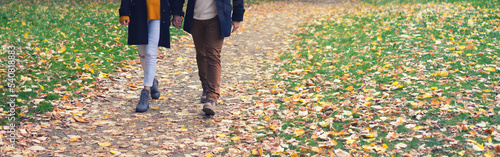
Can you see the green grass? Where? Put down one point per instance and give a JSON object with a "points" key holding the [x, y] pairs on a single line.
{"points": [[57, 43], [436, 60]]}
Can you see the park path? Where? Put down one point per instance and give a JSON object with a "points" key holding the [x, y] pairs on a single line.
{"points": [[104, 122]]}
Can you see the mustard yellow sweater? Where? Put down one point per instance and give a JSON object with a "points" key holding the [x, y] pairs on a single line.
{"points": [[153, 10]]}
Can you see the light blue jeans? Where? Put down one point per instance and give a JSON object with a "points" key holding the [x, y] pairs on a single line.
{"points": [[147, 53]]}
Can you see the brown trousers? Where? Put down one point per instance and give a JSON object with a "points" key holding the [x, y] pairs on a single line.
{"points": [[208, 44]]}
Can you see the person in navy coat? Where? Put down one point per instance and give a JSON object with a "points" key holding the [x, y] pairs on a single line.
{"points": [[209, 22], [148, 27]]}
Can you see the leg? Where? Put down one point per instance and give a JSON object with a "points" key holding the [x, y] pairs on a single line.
{"points": [[142, 56], [198, 32], [213, 46], [148, 62], [151, 50]]}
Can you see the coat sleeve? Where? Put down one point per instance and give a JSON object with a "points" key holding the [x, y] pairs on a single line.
{"points": [[124, 8], [176, 7], [238, 10]]}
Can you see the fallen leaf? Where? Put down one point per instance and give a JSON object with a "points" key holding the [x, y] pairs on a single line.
{"points": [[299, 132], [350, 88], [80, 119], [235, 138], [490, 69], [104, 144]]}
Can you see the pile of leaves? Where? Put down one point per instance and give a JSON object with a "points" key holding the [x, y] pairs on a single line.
{"points": [[412, 79]]}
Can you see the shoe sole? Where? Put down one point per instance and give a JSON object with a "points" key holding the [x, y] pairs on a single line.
{"points": [[140, 111], [209, 111]]}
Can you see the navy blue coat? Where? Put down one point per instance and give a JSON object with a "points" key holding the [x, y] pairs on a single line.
{"points": [[138, 13], [224, 9]]}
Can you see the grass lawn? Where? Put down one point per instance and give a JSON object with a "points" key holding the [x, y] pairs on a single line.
{"points": [[401, 79], [61, 49]]}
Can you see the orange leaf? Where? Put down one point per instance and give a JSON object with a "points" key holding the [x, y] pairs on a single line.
{"points": [[74, 139], [350, 88], [299, 132], [80, 119]]}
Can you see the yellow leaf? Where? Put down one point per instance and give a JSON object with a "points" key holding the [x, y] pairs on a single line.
{"points": [[26, 35], [221, 135], [104, 144], [434, 88], [161, 97], [63, 48], [21, 114], [491, 69], [235, 138], [91, 70], [462, 47], [106, 116], [23, 23], [112, 152], [86, 66], [395, 83], [103, 75], [133, 85], [461, 153], [41, 87], [426, 96], [209, 154], [182, 127], [442, 73], [254, 152], [77, 60]]}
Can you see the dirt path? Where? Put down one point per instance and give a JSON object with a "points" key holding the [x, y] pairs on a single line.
{"points": [[174, 125]]}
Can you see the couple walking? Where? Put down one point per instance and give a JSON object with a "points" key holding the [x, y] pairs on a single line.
{"points": [[208, 21]]}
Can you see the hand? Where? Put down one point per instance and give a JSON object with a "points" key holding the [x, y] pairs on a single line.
{"points": [[125, 22], [236, 25], [177, 21]]}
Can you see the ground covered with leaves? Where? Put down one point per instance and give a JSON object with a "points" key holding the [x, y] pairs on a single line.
{"points": [[413, 79], [61, 48], [299, 78]]}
